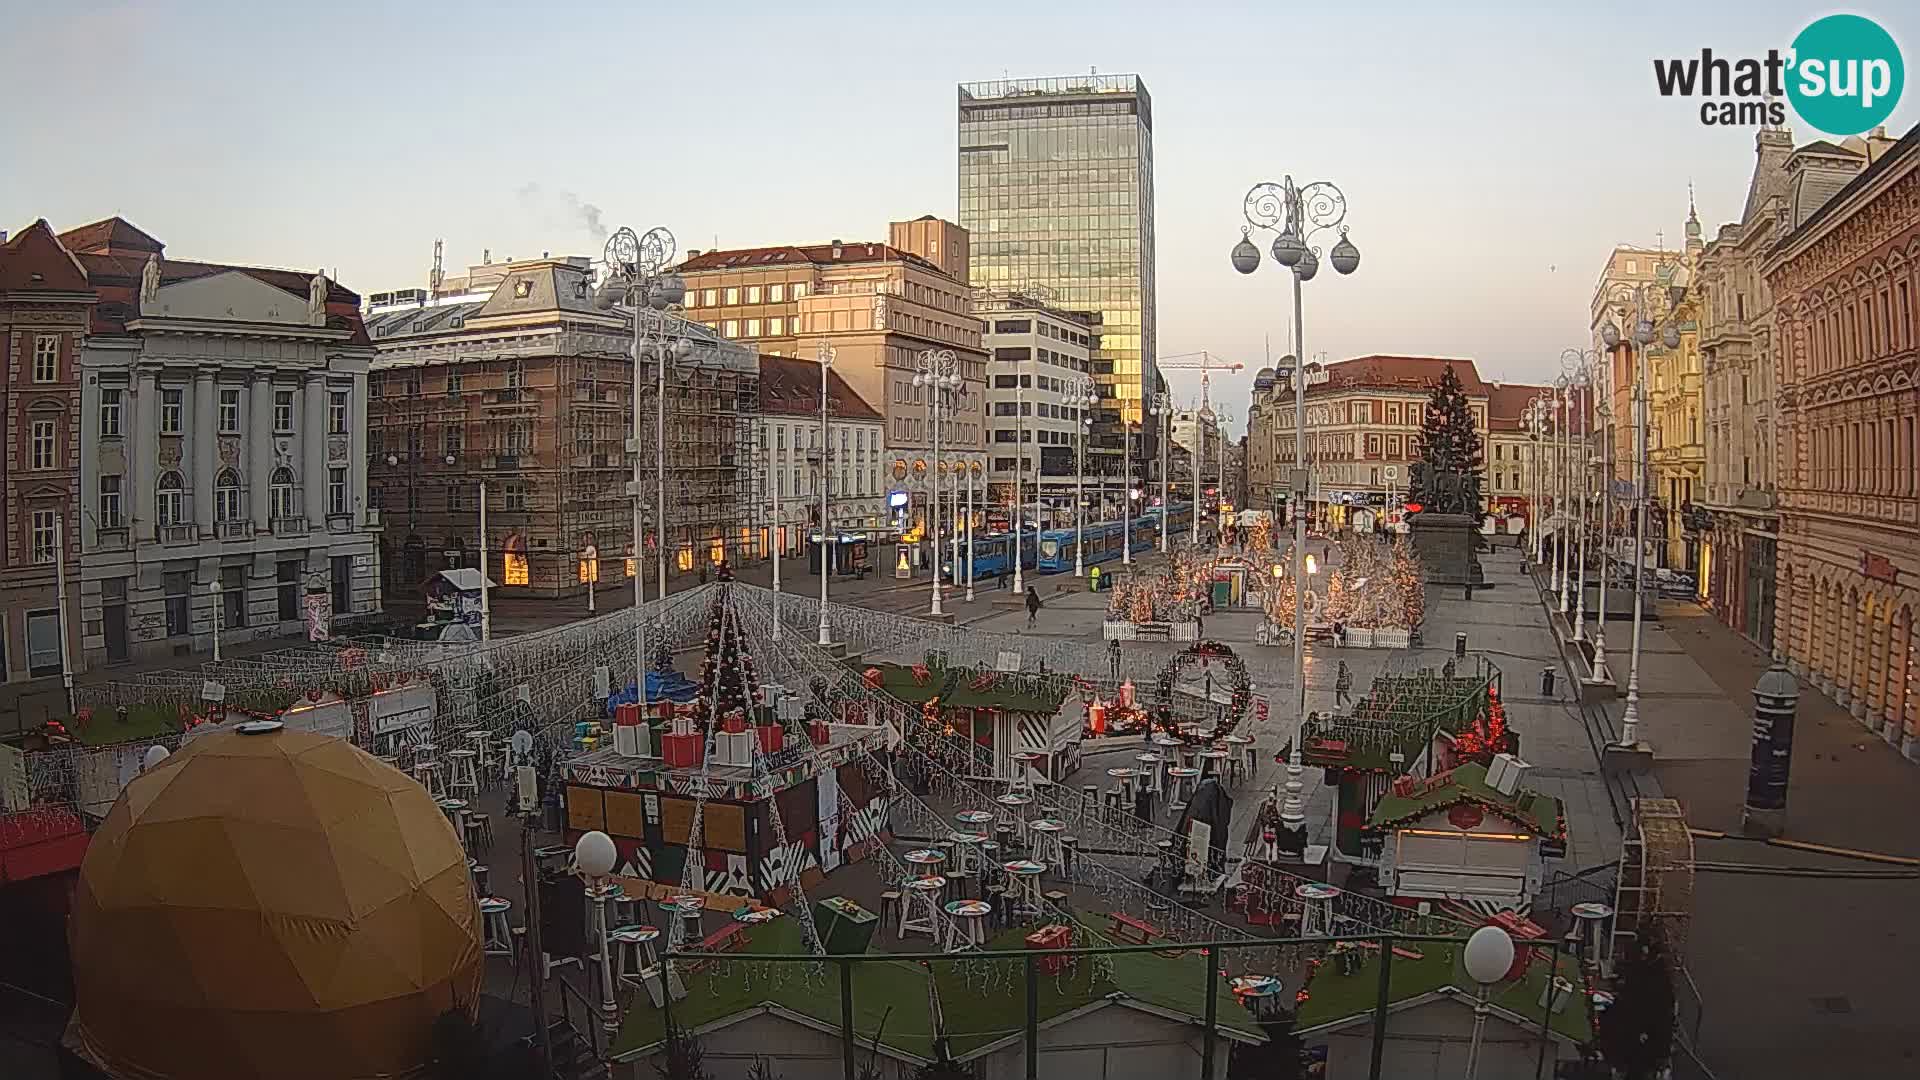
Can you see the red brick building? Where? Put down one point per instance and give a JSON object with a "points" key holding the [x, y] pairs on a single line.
{"points": [[44, 307], [1846, 286]]}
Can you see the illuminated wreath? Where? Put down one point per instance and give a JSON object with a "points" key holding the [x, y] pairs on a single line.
{"points": [[1206, 654]]}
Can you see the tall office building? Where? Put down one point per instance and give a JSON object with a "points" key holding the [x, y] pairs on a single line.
{"points": [[1056, 190]]}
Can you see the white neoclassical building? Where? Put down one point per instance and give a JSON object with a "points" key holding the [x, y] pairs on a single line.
{"points": [[224, 462]]}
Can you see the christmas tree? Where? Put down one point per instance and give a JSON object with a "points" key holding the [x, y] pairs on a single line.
{"points": [[726, 671], [1409, 583], [1446, 478]]}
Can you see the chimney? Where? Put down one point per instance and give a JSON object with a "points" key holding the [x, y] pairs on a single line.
{"points": [[486, 256], [692, 252], [836, 248]]}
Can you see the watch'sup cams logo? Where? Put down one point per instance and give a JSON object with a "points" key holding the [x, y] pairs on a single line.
{"points": [[1843, 75]]}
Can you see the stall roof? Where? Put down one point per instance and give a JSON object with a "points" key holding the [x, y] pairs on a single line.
{"points": [[976, 688], [890, 997], [1468, 783], [1335, 1000], [466, 579]]}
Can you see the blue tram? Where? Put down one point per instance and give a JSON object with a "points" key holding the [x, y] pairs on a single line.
{"points": [[992, 556], [1104, 540]]}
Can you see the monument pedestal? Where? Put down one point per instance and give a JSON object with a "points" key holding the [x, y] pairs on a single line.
{"points": [[1444, 543]]}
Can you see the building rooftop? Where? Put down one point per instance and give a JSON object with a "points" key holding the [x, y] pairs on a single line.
{"points": [[831, 254], [34, 260], [1870, 175], [1384, 372], [790, 386]]}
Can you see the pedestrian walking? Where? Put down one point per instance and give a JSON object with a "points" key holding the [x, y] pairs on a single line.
{"points": [[1339, 634], [1113, 660], [1343, 685], [1033, 608], [1199, 626]]}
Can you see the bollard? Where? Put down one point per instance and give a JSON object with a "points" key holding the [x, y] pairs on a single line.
{"points": [[1776, 698], [1546, 682], [1460, 644]]}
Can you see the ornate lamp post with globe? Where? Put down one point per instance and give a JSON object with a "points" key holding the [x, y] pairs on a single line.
{"points": [[1642, 337], [826, 355], [1296, 215], [636, 277], [939, 372]]}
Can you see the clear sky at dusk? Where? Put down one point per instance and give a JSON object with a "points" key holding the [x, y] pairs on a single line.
{"points": [[1491, 153]]}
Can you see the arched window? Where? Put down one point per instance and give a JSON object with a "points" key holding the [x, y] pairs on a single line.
{"points": [[226, 497], [285, 499], [173, 499], [513, 562]]}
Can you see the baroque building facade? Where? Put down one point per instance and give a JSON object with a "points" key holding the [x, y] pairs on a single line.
{"points": [[222, 465], [1845, 285]]}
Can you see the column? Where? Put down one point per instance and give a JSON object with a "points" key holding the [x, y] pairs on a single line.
{"points": [[313, 451], [144, 454], [357, 449], [204, 450], [260, 450]]}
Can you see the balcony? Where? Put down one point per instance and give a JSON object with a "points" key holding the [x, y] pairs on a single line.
{"points": [[234, 529], [178, 534]]}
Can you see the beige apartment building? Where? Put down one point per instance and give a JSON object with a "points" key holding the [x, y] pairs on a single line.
{"points": [[879, 307]]}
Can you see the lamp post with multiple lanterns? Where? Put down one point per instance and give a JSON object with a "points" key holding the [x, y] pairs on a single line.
{"points": [[826, 355], [938, 371], [636, 277], [1296, 214], [1641, 337], [1083, 395]]}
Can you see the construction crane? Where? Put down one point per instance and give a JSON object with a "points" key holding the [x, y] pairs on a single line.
{"points": [[1203, 361]]}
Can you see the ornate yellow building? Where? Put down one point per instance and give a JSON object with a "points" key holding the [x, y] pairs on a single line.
{"points": [[1676, 446]]}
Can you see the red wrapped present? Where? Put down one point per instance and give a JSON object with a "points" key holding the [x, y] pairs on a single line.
{"points": [[626, 715], [734, 722], [682, 751], [1051, 937], [817, 730], [772, 738]]}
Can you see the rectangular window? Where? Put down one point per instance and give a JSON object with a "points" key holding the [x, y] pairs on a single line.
{"points": [[753, 294], [178, 588], [776, 327], [283, 408], [109, 414], [286, 575], [40, 445], [455, 382], [776, 293], [799, 290], [342, 584], [43, 643], [229, 412], [46, 358], [730, 328], [337, 492], [516, 498], [170, 409], [40, 536], [337, 412], [453, 438], [110, 502], [707, 298], [753, 327], [233, 597], [733, 296]]}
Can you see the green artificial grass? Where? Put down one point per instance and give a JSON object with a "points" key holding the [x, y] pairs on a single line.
{"points": [[954, 688], [1332, 997], [144, 721], [890, 997], [1468, 781]]}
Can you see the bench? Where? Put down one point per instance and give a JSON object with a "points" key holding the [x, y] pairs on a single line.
{"points": [[1133, 931]]}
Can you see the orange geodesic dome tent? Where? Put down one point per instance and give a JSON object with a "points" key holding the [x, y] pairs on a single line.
{"points": [[271, 903]]}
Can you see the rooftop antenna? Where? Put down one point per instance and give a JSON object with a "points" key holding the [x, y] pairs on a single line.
{"points": [[435, 279]]}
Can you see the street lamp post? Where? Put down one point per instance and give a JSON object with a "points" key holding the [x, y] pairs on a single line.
{"points": [[1488, 957], [1221, 418], [1604, 412], [1564, 478], [1582, 366], [973, 469], [635, 277], [595, 855], [1163, 418], [938, 370], [826, 354], [1019, 468], [1083, 395], [1126, 494], [1297, 214], [215, 588], [774, 473], [1642, 336]]}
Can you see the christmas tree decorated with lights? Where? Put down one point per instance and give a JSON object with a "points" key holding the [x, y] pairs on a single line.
{"points": [[727, 682], [1446, 477]]}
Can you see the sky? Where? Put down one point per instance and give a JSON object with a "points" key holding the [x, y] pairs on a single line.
{"points": [[1491, 154]]}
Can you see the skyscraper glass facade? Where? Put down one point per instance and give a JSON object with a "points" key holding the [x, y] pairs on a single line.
{"points": [[1056, 188]]}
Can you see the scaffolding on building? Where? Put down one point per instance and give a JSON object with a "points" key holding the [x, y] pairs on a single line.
{"points": [[541, 413]]}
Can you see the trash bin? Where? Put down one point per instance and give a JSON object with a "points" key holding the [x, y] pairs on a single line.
{"points": [[1460, 644], [1546, 682]]}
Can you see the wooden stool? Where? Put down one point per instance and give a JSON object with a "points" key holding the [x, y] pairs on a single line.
{"points": [[497, 932], [1056, 898], [427, 772], [889, 906], [463, 782], [1069, 857], [479, 830]]}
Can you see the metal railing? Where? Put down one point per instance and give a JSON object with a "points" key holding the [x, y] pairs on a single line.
{"points": [[1273, 1015]]}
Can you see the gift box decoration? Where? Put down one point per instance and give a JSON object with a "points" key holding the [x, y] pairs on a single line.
{"points": [[682, 750], [772, 738]]}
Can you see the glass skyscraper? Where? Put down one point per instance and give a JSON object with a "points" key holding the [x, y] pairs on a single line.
{"points": [[1056, 188]]}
